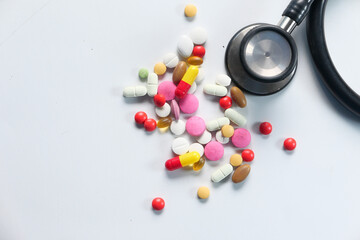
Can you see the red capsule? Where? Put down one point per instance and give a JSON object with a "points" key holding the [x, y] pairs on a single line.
{"points": [[247, 155], [265, 128], [289, 144], [158, 203], [198, 51], [140, 117], [225, 102], [159, 100], [150, 124]]}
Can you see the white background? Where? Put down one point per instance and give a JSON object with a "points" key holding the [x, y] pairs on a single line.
{"points": [[73, 165]]}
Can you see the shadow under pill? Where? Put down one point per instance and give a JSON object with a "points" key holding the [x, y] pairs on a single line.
{"points": [[237, 186], [203, 200], [157, 212], [255, 128]]}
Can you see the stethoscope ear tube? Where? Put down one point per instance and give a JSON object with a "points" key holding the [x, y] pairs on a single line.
{"points": [[297, 10], [318, 48]]}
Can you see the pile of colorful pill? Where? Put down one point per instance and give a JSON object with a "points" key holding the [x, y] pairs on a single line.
{"points": [[171, 98]]}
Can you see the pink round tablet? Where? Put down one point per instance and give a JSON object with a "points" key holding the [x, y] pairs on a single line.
{"points": [[195, 126], [214, 151], [175, 109], [167, 88], [241, 138], [189, 104]]}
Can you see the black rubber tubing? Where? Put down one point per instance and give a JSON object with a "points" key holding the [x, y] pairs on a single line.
{"points": [[320, 54], [297, 10]]}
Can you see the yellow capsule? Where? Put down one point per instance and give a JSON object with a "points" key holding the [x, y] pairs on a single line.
{"points": [[189, 158], [164, 122], [199, 164], [190, 75], [195, 60]]}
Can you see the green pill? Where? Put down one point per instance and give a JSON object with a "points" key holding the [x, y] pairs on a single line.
{"points": [[143, 73]]}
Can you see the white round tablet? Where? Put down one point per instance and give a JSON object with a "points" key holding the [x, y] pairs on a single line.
{"points": [[185, 46], [180, 146], [196, 147], [220, 138], [177, 127], [170, 60], [204, 138], [200, 77], [163, 111], [198, 35], [192, 89], [223, 80]]}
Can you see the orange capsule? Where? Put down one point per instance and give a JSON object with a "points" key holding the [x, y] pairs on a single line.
{"points": [[199, 164], [195, 60], [164, 122]]}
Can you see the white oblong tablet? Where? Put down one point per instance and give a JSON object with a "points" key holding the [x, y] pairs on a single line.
{"points": [[152, 84], [170, 60], [163, 111], [180, 146], [196, 147], [220, 138], [235, 117], [223, 80], [185, 46], [192, 89], [215, 90], [205, 138], [135, 91], [200, 77], [217, 124], [177, 127], [222, 173], [198, 35]]}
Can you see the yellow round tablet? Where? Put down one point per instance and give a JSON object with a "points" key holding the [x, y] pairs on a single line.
{"points": [[236, 160], [203, 192], [159, 68], [190, 10], [227, 131]]}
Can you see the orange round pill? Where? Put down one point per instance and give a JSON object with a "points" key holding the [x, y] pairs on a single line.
{"points": [[227, 131], [190, 10], [236, 160], [203, 192], [159, 68]]}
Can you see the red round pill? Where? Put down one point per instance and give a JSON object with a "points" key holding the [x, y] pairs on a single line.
{"points": [[289, 144], [265, 128], [158, 204], [140, 117], [225, 102], [247, 155], [199, 51], [150, 124], [159, 100]]}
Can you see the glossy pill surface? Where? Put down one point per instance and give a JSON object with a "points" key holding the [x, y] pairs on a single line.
{"points": [[175, 109], [289, 144], [248, 155], [194, 60], [184, 85], [203, 192], [227, 131], [140, 117], [217, 124], [179, 72], [236, 160], [199, 51], [152, 84], [182, 161], [199, 164], [225, 102], [215, 90], [265, 128], [190, 10], [135, 91], [238, 96], [235, 117], [222, 173], [185, 46], [159, 68], [159, 100], [241, 173], [164, 122], [158, 204], [170, 60], [223, 80], [150, 124]]}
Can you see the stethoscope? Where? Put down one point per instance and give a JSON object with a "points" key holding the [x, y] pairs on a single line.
{"points": [[262, 58]]}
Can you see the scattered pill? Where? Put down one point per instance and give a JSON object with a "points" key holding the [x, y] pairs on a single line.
{"points": [[214, 151], [179, 72], [235, 117], [225, 102], [177, 127], [185, 46], [222, 173], [143, 73], [223, 80], [180, 145], [215, 90], [217, 124], [150, 124], [152, 84], [220, 138], [241, 138], [194, 60], [159, 100], [192, 88], [198, 35], [184, 85], [289, 144], [170, 60], [236, 160], [196, 147], [140, 117], [227, 131], [265, 128], [248, 155], [163, 111], [195, 126], [204, 138], [189, 104], [182, 161], [190, 10], [175, 109], [136, 91], [167, 88], [164, 122], [158, 204], [199, 51], [238, 96], [200, 77], [199, 164], [241, 173], [203, 192], [159, 68]]}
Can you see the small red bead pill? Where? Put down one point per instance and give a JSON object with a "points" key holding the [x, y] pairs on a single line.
{"points": [[225, 102], [150, 124], [159, 100], [140, 117], [247, 155], [265, 128], [158, 203], [198, 51], [289, 144]]}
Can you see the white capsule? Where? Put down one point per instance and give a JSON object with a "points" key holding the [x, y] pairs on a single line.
{"points": [[152, 84], [180, 146], [200, 77], [177, 127], [235, 117], [204, 138], [220, 138], [170, 60], [163, 111], [135, 91], [223, 80], [222, 173], [192, 89], [215, 90], [198, 36], [196, 147], [217, 124], [185, 46]]}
